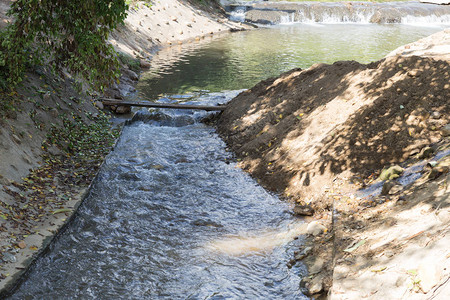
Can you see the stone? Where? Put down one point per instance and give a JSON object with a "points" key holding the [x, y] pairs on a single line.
{"points": [[302, 254], [145, 64], [126, 89], [437, 171], [291, 263], [445, 130], [21, 245], [121, 109], [182, 160], [436, 115], [401, 200], [317, 266], [340, 271], [313, 286], [303, 210], [414, 152], [8, 257], [315, 228], [307, 250], [99, 105], [391, 173], [130, 74], [426, 152], [387, 186], [396, 189], [316, 286], [112, 93]]}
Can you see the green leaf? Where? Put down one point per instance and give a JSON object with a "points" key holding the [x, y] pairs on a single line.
{"points": [[359, 244], [62, 210]]}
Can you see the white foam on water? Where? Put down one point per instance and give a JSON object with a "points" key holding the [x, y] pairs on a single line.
{"points": [[425, 21], [238, 15]]}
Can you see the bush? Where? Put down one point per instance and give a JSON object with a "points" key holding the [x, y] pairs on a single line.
{"points": [[60, 33]]}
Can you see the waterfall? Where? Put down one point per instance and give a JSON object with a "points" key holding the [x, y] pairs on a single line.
{"points": [[412, 13], [238, 14], [288, 18]]}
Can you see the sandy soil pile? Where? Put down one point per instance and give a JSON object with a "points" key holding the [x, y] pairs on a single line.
{"points": [[298, 132], [318, 135]]}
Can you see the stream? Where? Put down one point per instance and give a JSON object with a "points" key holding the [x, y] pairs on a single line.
{"points": [[170, 216]]}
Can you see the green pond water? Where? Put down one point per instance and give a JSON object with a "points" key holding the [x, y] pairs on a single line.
{"points": [[240, 60]]}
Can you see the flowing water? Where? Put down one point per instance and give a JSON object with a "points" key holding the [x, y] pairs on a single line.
{"points": [[169, 215], [155, 222]]}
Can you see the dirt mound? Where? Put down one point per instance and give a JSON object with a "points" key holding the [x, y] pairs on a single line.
{"points": [[300, 131]]}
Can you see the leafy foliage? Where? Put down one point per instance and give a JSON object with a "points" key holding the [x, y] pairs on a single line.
{"points": [[83, 141], [61, 33]]}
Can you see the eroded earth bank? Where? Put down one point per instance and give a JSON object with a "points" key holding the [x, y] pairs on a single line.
{"points": [[322, 137]]}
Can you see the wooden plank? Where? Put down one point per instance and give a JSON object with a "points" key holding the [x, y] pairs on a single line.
{"points": [[106, 101]]}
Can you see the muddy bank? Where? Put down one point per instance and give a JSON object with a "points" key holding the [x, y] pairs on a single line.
{"points": [[317, 135]]}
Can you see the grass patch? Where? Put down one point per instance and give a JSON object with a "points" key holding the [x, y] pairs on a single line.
{"points": [[133, 63]]}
